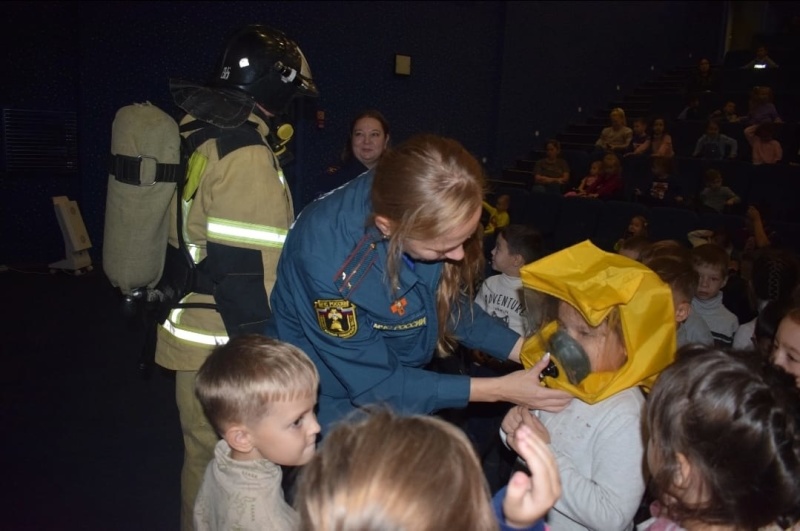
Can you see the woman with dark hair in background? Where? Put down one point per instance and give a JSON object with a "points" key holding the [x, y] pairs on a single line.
{"points": [[367, 140]]}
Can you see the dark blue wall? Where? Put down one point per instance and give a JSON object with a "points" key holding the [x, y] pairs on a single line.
{"points": [[485, 73]]}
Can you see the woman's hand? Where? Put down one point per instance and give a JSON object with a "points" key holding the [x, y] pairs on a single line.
{"points": [[525, 389], [528, 498]]}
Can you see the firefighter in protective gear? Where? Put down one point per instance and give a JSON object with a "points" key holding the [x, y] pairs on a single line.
{"points": [[236, 210]]}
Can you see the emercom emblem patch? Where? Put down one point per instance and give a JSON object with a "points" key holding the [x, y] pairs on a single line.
{"points": [[336, 317]]}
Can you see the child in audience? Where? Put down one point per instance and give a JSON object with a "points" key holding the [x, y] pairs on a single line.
{"points": [[607, 323], [766, 150], [501, 295], [725, 115], [259, 395], [715, 146], [498, 214], [662, 190], [640, 141], [416, 472], [761, 60], [661, 140], [551, 174], [588, 181], [637, 227], [711, 263], [609, 183], [716, 197], [724, 444], [704, 79], [761, 107], [736, 295], [692, 110], [617, 137], [677, 271], [786, 349]]}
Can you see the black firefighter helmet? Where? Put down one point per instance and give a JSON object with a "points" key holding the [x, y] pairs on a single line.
{"points": [[266, 64]]}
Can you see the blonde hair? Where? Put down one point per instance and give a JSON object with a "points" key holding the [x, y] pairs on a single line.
{"points": [[239, 380], [618, 111], [387, 472], [427, 187]]}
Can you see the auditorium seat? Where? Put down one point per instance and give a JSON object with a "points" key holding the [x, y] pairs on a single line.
{"points": [[540, 211], [577, 221], [668, 223], [613, 222]]}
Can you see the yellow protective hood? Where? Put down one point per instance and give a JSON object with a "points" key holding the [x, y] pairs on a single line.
{"points": [[594, 281]]}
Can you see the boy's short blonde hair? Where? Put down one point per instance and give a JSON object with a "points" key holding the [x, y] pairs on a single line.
{"points": [[711, 254], [240, 379]]}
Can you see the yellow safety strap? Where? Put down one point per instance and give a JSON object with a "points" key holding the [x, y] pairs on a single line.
{"points": [[196, 167]]}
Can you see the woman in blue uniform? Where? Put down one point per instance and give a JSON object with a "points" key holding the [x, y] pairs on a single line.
{"points": [[377, 277]]}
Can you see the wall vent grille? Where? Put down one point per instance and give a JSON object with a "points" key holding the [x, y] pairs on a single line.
{"points": [[40, 141]]}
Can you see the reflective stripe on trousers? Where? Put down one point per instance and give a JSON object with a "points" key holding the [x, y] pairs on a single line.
{"points": [[193, 335]]}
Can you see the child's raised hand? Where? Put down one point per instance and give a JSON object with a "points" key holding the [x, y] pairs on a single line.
{"points": [[517, 417], [528, 498]]}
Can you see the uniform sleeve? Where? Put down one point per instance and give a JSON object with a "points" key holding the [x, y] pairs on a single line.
{"points": [[610, 497], [362, 363], [478, 330], [248, 212]]}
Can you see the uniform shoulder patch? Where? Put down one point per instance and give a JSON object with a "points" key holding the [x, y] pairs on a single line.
{"points": [[336, 317]]}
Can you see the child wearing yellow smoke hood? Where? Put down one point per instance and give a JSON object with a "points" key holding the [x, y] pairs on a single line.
{"points": [[608, 325]]}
